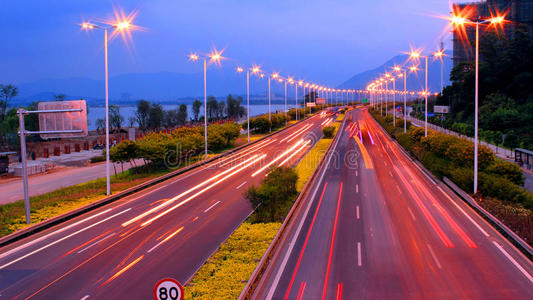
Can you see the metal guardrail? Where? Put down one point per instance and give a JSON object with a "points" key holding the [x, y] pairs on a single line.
{"points": [[31, 230], [510, 235], [264, 262]]}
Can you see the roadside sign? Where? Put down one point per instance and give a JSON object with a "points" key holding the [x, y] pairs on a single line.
{"points": [[168, 289], [74, 122], [311, 104], [441, 109], [365, 100]]}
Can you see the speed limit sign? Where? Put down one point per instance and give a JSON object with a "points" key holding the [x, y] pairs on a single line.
{"points": [[168, 289]]}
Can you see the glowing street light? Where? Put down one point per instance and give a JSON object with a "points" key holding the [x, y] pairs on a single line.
{"points": [[417, 55], [214, 57], [120, 26], [459, 21]]}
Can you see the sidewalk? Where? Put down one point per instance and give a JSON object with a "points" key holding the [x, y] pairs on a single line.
{"points": [[11, 189]]}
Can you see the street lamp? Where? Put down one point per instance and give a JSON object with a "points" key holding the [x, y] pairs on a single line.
{"points": [[255, 70], [416, 55], [120, 26], [440, 55], [214, 57], [461, 21]]}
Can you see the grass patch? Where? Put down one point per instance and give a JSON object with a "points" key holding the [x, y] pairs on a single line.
{"points": [[63, 200], [225, 274], [307, 165]]}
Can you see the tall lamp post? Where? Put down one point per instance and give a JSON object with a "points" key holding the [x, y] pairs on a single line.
{"points": [[417, 55], [255, 70], [461, 21], [214, 57], [121, 26]]}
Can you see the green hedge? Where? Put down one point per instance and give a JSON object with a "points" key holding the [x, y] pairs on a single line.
{"points": [[180, 143], [453, 157]]}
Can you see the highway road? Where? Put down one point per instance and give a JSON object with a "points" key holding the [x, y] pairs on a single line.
{"points": [[374, 226], [121, 250]]}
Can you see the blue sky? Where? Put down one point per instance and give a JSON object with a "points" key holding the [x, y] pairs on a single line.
{"points": [[325, 41]]}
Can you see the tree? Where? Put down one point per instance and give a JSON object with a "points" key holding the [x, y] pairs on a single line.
{"points": [[171, 118], [60, 97], [7, 92], [132, 121], [221, 109], [234, 110], [143, 114], [182, 114], [156, 116], [212, 107], [100, 125], [124, 151], [196, 108], [115, 118]]}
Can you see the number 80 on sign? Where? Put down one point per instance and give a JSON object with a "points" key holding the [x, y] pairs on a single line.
{"points": [[168, 289]]}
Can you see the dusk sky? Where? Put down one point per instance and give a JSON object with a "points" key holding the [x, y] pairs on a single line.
{"points": [[321, 40]]}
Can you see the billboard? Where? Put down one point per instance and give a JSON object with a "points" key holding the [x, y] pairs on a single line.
{"points": [[311, 104], [441, 109], [320, 100], [61, 121]]}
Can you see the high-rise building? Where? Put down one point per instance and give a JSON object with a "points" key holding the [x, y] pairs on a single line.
{"points": [[516, 12]]}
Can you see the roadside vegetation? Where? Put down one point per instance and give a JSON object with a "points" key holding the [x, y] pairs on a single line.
{"points": [[63, 200], [506, 96], [226, 273], [500, 182]]}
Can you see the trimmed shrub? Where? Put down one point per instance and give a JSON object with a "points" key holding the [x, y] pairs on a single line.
{"points": [[328, 132], [274, 197]]}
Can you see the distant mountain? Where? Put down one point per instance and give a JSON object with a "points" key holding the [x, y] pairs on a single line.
{"points": [[172, 88], [414, 81], [162, 87]]}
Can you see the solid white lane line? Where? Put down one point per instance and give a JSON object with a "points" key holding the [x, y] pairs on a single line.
{"points": [[240, 185], [390, 173], [517, 265], [411, 213], [434, 256], [357, 212], [210, 207], [357, 188], [96, 243], [85, 297], [359, 259], [292, 243], [464, 213], [356, 173], [64, 238], [53, 233]]}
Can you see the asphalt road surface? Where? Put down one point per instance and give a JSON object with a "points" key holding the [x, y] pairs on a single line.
{"points": [[375, 226], [121, 250]]}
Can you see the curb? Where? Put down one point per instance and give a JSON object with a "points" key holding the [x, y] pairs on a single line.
{"points": [[506, 232], [36, 228], [264, 262]]}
